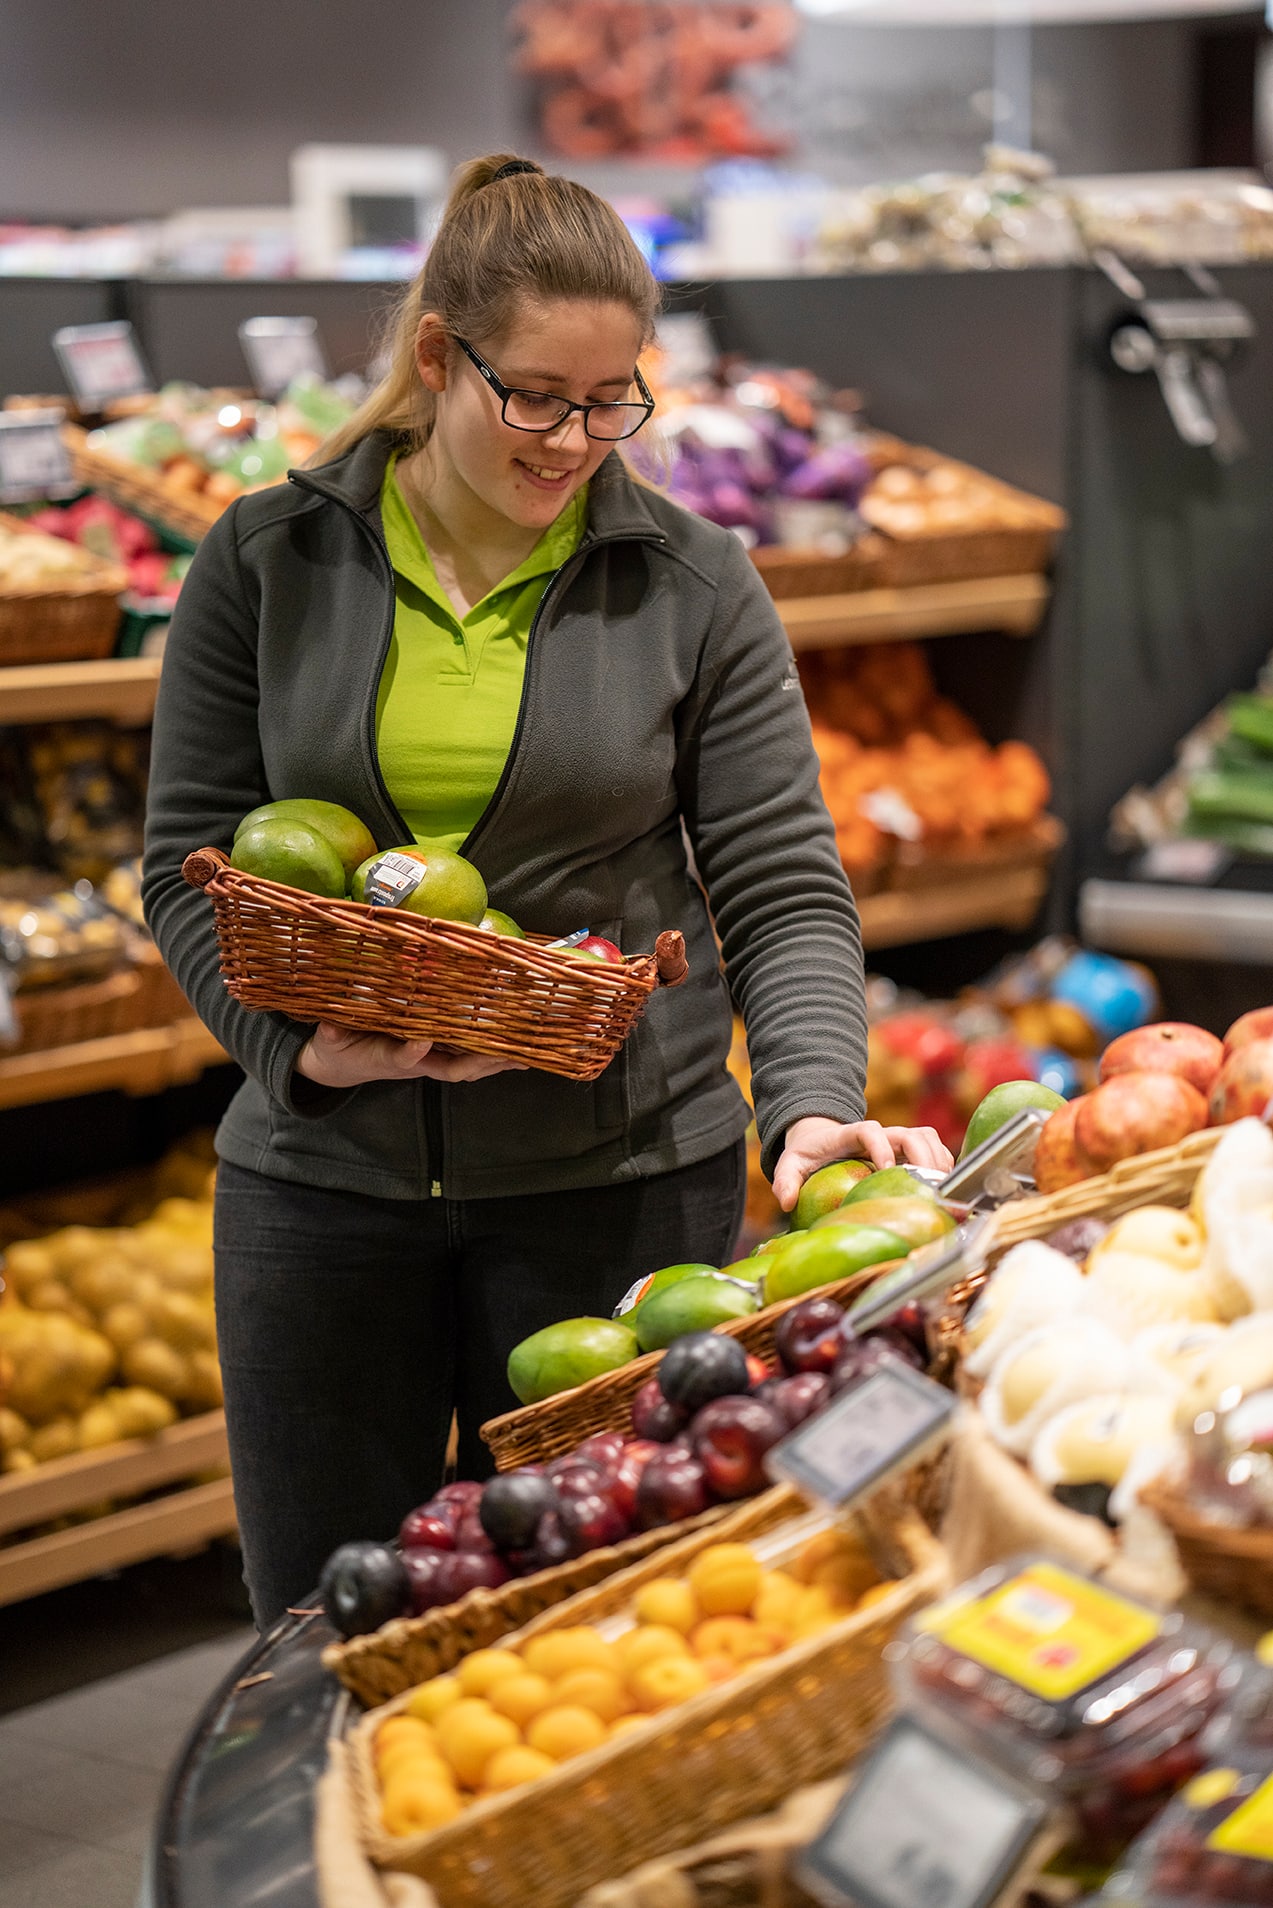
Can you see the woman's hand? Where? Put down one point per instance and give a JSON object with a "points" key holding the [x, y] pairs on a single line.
{"points": [[336, 1057], [815, 1142]]}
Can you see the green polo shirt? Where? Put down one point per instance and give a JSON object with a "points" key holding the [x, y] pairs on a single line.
{"points": [[452, 686]]}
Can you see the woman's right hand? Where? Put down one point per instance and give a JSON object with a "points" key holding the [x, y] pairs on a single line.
{"points": [[337, 1057]]}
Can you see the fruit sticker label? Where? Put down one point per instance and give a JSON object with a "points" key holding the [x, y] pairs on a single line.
{"points": [[1249, 1830], [1046, 1630], [393, 878]]}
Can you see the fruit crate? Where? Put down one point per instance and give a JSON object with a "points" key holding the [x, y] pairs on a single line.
{"points": [[70, 618], [182, 1507], [185, 515], [738, 1747]]}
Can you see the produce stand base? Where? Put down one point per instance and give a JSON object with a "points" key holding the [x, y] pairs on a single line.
{"points": [[148, 1060], [162, 1526], [998, 897], [1014, 604], [121, 688]]}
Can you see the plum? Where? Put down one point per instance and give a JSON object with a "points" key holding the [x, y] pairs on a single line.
{"points": [[592, 1522], [702, 1366], [429, 1578], [798, 1396], [464, 1491], [860, 1357], [430, 1526], [652, 1415], [604, 1448], [469, 1534], [467, 1570], [362, 1586], [511, 1507], [673, 1486], [809, 1337], [730, 1437], [1077, 1237], [623, 1488], [577, 1480], [551, 1545]]}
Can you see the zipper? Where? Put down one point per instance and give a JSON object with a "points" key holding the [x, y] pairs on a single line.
{"points": [[434, 1117]]}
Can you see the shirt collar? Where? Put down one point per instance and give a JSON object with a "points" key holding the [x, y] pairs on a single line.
{"points": [[411, 557]]}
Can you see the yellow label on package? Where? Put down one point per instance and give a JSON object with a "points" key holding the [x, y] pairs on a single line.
{"points": [[1046, 1630], [1249, 1830]]}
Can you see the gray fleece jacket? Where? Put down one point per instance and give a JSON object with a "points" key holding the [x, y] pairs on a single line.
{"points": [[660, 689]]}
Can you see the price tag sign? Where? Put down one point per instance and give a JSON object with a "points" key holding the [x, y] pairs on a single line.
{"points": [[993, 1168], [925, 1825], [882, 1425], [33, 459], [101, 362], [280, 349], [928, 1270]]}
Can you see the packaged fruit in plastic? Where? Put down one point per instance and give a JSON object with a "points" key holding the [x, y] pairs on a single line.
{"points": [[1077, 1687], [1213, 1846], [1230, 1463]]}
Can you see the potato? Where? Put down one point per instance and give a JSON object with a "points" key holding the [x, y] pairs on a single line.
{"points": [[103, 1282], [58, 1439], [187, 1268], [182, 1322], [72, 1246], [57, 1364], [140, 1412], [98, 1425], [124, 1324], [26, 1263], [204, 1390], [157, 1366], [17, 1461], [14, 1430]]}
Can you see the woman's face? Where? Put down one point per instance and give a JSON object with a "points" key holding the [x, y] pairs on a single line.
{"points": [[570, 347]]}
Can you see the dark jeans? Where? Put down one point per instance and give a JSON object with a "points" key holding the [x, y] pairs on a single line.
{"points": [[351, 1327]]}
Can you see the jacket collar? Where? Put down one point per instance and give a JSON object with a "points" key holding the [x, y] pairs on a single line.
{"points": [[616, 504]]}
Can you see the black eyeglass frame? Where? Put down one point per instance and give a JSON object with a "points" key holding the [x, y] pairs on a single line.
{"points": [[504, 392]]}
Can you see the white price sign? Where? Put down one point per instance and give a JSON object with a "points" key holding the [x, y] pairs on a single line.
{"points": [[924, 1826], [881, 1425], [33, 458], [101, 362], [280, 349]]}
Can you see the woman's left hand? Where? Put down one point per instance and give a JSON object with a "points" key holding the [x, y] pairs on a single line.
{"points": [[814, 1142]]}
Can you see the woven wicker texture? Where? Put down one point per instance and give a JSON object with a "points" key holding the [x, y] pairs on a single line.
{"points": [[538, 1432], [87, 1010], [147, 492], [739, 1747], [74, 620], [1218, 1559], [408, 1650], [382, 970]]}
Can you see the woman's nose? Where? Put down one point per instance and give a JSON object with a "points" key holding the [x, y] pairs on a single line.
{"points": [[560, 431]]}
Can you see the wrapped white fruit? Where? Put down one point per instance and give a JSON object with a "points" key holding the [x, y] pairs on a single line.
{"points": [[1154, 1232], [1240, 1362], [1031, 1285], [1095, 1440], [1056, 1365], [1233, 1201], [1180, 1348], [1128, 1292]]}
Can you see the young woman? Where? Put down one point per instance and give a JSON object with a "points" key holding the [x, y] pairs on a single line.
{"points": [[468, 623]]}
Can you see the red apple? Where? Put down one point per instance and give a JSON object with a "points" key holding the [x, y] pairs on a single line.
{"points": [[673, 1486], [1136, 1113], [1058, 1158], [1244, 1084], [730, 1437], [597, 944], [1167, 1046], [1257, 1025], [927, 1041]]}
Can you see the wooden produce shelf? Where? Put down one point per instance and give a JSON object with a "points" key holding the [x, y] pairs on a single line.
{"points": [[122, 689], [148, 1060], [1013, 604], [180, 1520], [994, 897]]}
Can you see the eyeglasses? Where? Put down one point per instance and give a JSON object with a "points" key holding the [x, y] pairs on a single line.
{"points": [[544, 411]]}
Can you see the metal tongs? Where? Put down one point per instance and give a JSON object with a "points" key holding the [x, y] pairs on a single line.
{"points": [[1186, 343]]}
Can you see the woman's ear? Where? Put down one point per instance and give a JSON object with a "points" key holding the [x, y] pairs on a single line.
{"points": [[431, 351]]}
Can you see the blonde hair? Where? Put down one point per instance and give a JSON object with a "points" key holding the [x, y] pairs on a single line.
{"points": [[528, 235]]}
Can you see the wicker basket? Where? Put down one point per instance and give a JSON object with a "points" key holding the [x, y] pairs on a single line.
{"points": [[1022, 545], [1220, 1560], [789, 572], [86, 1010], [408, 1650], [538, 1432], [183, 513], [75, 620], [739, 1747], [382, 970]]}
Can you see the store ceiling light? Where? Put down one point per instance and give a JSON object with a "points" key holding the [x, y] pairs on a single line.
{"points": [[958, 13]]}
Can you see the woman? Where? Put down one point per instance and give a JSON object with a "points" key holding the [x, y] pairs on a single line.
{"points": [[468, 623]]}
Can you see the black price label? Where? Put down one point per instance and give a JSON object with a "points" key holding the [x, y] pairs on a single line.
{"points": [[33, 459], [925, 1825], [393, 880], [280, 349], [101, 362], [878, 1427]]}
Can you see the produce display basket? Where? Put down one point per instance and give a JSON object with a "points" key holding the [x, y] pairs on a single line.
{"points": [[383, 970], [536, 1433], [183, 513], [73, 620], [1022, 545], [790, 571], [408, 1650], [739, 1747], [1220, 1560], [87, 1010]]}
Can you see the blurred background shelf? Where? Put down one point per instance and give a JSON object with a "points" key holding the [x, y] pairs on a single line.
{"points": [[122, 689], [1012, 604], [148, 1060]]}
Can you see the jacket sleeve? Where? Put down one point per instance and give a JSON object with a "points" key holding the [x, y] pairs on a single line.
{"points": [[206, 772], [766, 852]]}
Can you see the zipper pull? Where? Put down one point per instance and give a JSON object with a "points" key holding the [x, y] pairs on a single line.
{"points": [[435, 1189]]}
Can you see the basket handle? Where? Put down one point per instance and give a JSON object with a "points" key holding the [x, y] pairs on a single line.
{"points": [[203, 866], [669, 955]]}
